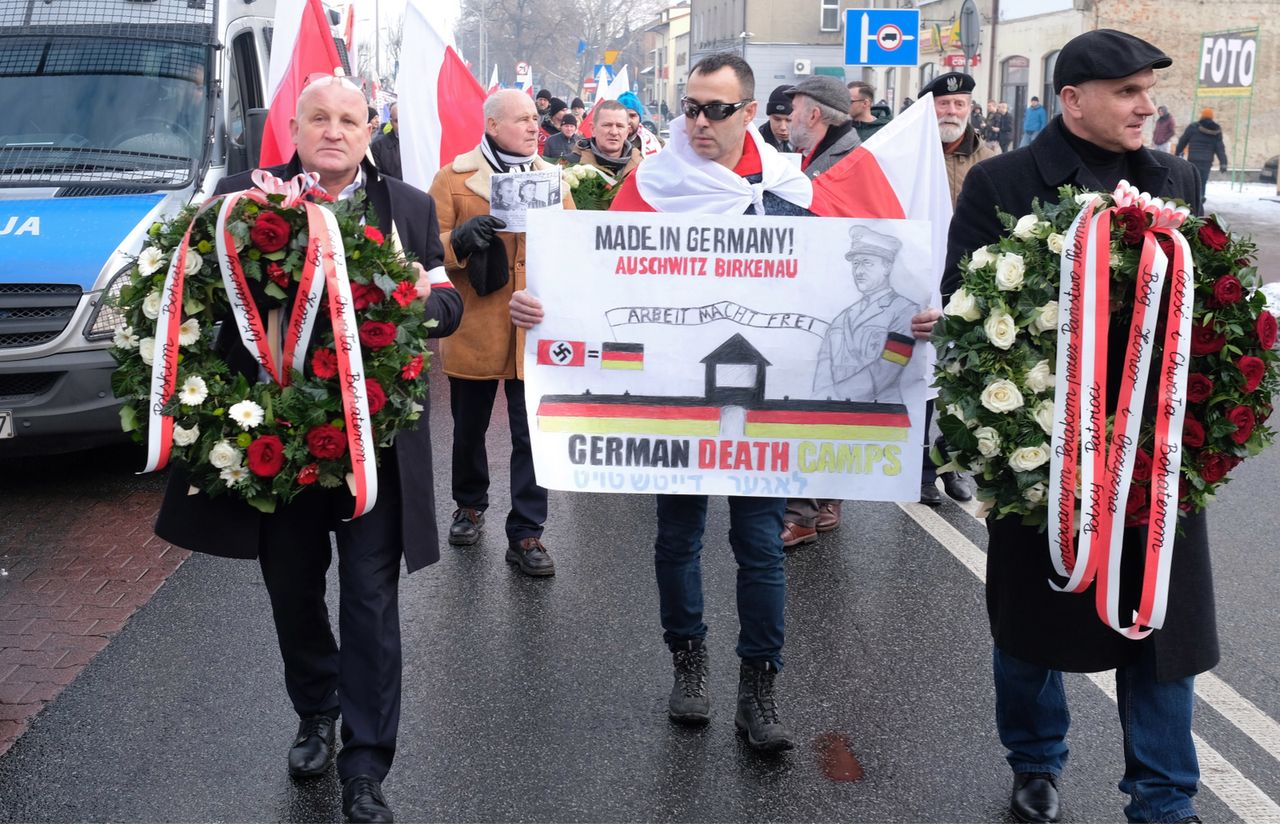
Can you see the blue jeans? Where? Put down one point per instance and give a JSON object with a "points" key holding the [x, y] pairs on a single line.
{"points": [[1161, 771], [755, 534]]}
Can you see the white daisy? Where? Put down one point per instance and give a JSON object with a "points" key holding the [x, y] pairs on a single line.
{"points": [[150, 261], [188, 332], [234, 475], [194, 390], [125, 337], [246, 413]]}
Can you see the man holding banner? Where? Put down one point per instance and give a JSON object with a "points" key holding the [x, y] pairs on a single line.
{"points": [[361, 679], [1104, 80]]}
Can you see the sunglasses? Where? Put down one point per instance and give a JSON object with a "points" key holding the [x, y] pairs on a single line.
{"points": [[714, 111]]}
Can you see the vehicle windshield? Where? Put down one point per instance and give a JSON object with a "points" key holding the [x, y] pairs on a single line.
{"points": [[102, 110]]}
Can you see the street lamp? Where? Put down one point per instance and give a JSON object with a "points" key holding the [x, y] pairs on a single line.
{"points": [[744, 37]]}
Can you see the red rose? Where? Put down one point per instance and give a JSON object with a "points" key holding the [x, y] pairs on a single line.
{"points": [[1142, 465], [1199, 388], [1265, 328], [1211, 235], [405, 293], [1213, 467], [1205, 341], [377, 397], [308, 474], [1243, 418], [412, 369], [374, 234], [270, 232], [278, 275], [324, 363], [1192, 433], [364, 295], [1253, 370], [1227, 290], [326, 441], [1135, 509], [1133, 222], [376, 334], [266, 456]]}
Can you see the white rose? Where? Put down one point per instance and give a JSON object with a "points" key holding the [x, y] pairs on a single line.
{"points": [[1000, 329], [952, 368], [234, 475], [1009, 272], [185, 437], [1056, 243], [988, 441], [193, 262], [194, 390], [1046, 317], [977, 465], [1025, 229], [962, 305], [188, 332], [125, 337], [1039, 378], [1001, 396], [980, 258], [1035, 493], [224, 455], [150, 261], [1044, 416], [1028, 458], [954, 410], [151, 305], [1085, 198], [147, 349], [246, 413]]}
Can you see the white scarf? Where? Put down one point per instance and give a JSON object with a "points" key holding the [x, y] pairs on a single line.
{"points": [[649, 144], [678, 180]]}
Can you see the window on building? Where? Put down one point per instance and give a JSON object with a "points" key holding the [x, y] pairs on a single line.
{"points": [[927, 72], [1047, 98], [830, 15]]}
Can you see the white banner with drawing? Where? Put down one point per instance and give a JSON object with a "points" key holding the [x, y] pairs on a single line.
{"points": [[767, 356]]}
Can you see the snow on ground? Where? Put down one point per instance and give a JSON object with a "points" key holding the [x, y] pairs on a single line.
{"points": [[1257, 203]]}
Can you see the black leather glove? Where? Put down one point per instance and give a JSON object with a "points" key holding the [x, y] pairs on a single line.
{"points": [[475, 235], [487, 270]]}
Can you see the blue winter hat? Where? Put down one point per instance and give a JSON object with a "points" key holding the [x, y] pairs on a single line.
{"points": [[632, 102]]}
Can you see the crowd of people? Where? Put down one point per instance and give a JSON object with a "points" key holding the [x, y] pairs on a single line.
{"points": [[485, 310]]}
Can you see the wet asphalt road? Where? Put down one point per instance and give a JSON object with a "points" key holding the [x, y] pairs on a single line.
{"points": [[544, 700]]}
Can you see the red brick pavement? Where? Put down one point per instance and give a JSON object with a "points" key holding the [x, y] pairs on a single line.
{"points": [[76, 542]]}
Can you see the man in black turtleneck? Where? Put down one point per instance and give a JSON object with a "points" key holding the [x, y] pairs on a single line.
{"points": [[608, 149], [1104, 81]]}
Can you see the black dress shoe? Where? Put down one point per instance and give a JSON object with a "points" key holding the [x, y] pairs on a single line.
{"points": [[930, 495], [465, 529], [1035, 797], [312, 749], [956, 486], [362, 801], [532, 557]]}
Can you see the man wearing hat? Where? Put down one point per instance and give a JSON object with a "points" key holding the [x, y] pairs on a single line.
{"points": [[821, 128], [777, 132], [543, 100], [578, 109], [1202, 142], [638, 136], [563, 145], [556, 111], [1104, 81]]}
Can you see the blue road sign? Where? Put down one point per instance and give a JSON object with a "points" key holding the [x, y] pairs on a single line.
{"points": [[881, 37]]}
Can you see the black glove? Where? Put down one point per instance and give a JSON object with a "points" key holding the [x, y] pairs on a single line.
{"points": [[475, 235], [487, 269]]}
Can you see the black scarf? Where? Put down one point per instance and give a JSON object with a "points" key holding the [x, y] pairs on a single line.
{"points": [[1107, 166], [502, 161]]}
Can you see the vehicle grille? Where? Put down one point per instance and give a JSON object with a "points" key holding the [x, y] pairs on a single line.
{"points": [[26, 385], [102, 191], [32, 314]]}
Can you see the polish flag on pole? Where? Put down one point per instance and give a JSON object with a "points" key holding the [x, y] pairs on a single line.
{"points": [[494, 85], [302, 45], [441, 103], [349, 35]]}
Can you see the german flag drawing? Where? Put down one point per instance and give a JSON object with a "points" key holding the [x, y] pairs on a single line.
{"points": [[622, 356], [635, 414], [898, 348], [829, 420]]}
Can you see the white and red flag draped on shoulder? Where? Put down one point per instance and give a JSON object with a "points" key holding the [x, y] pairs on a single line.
{"points": [[302, 45], [441, 103]]}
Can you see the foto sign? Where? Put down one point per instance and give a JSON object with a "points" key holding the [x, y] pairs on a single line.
{"points": [[881, 37], [1228, 61]]}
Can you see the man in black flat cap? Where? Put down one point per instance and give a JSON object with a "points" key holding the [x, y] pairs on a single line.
{"points": [[777, 132], [1103, 80]]}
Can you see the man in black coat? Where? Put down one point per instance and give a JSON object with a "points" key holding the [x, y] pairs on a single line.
{"points": [[1202, 142], [386, 148], [1103, 79], [361, 680]]}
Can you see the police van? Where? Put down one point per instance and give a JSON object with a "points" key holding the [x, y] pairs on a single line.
{"points": [[113, 114]]}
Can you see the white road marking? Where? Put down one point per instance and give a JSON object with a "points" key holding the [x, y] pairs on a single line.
{"points": [[1217, 774]]}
